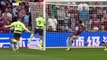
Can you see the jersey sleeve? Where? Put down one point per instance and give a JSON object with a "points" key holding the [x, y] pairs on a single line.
{"points": [[12, 24], [23, 25]]}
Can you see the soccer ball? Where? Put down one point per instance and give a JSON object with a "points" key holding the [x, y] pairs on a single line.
{"points": [[96, 29], [105, 49]]}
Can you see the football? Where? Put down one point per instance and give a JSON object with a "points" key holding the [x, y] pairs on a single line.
{"points": [[96, 29]]}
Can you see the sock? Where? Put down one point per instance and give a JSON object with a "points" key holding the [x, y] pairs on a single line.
{"points": [[14, 45], [69, 42], [106, 45], [18, 44], [31, 37], [41, 43]]}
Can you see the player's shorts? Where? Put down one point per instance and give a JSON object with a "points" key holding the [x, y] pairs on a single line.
{"points": [[73, 37], [16, 36], [39, 31]]}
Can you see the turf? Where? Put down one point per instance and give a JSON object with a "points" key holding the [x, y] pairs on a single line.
{"points": [[55, 54]]}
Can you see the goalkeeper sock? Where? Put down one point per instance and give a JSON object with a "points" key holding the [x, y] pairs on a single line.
{"points": [[41, 43]]}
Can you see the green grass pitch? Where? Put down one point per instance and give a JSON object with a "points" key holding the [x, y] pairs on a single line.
{"points": [[55, 54]]}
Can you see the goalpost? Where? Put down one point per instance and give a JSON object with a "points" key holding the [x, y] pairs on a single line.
{"points": [[36, 9]]}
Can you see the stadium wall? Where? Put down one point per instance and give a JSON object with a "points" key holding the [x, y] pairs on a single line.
{"points": [[58, 39]]}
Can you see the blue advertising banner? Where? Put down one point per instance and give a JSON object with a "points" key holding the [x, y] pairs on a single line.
{"points": [[93, 39], [57, 39]]}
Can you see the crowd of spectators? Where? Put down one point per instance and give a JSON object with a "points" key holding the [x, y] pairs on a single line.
{"points": [[9, 13], [67, 16], [60, 18], [11, 10]]}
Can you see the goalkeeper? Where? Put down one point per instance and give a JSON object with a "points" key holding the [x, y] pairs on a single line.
{"points": [[79, 28], [40, 24], [18, 28]]}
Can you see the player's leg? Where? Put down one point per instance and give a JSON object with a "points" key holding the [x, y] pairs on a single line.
{"points": [[41, 42], [32, 35], [13, 43], [16, 42], [69, 42], [105, 47], [40, 31]]}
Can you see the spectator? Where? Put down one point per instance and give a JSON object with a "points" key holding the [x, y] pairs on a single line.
{"points": [[18, 1], [95, 22], [1, 15], [14, 13], [100, 12], [61, 15], [81, 5], [3, 2], [9, 15], [52, 22], [50, 11], [20, 15], [74, 17], [1, 27], [55, 11], [5, 22], [62, 28], [23, 10], [68, 20], [26, 20], [72, 22], [93, 10], [6, 3], [50, 29], [104, 23], [84, 13]]}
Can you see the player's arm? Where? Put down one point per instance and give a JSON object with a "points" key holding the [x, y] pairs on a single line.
{"points": [[25, 28], [7, 26]]}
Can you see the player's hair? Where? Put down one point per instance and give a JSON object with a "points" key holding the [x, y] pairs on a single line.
{"points": [[80, 22], [19, 19]]}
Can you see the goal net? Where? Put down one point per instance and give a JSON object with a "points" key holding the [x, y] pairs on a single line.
{"points": [[36, 9], [63, 15]]}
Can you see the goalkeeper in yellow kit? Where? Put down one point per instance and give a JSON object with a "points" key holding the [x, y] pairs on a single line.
{"points": [[18, 28]]}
